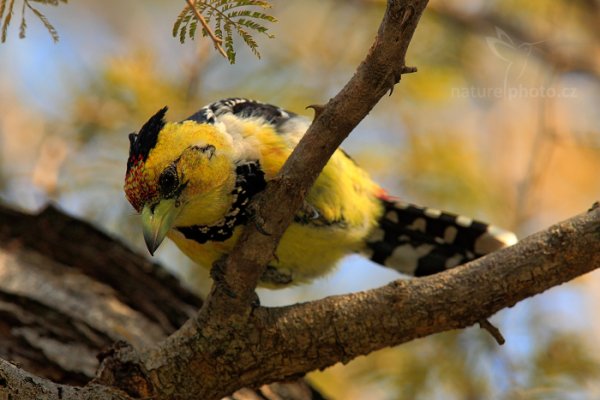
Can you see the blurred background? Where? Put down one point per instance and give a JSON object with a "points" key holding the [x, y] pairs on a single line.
{"points": [[501, 123]]}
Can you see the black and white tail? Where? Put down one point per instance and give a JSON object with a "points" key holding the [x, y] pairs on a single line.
{"points": [[423, 241]]}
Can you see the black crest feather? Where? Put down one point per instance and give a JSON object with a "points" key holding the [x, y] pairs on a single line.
{"points": [[140, 144]]}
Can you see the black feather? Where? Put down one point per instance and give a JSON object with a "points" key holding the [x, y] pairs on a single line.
{"points": [[145, 140], [272, 114], [396, 225], [243, 108]]}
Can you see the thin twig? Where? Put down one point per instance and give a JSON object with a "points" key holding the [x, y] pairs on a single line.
{"points": [[492, 330], [217, 41]]}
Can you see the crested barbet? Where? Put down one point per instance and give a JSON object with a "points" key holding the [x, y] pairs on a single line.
{"points": [[193, 181]]}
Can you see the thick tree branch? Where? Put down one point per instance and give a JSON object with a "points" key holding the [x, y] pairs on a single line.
{"points": [[236, 352], [277, 343], [408, 309]]}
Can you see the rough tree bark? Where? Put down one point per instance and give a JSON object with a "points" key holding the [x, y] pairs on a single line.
{"points": [[69, 291], [232, 342]]}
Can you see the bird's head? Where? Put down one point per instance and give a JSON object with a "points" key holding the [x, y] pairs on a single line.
{"points": [[178, 174]]}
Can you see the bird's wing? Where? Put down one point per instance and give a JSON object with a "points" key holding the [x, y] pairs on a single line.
{"points": [[243, 108]]}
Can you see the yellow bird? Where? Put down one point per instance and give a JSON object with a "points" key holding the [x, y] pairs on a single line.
{"points": [[193, 181]]}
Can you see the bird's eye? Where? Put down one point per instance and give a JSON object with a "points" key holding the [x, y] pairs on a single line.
{"points": [[168, 182]]}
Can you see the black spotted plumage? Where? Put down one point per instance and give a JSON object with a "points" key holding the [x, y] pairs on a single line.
{"points": [[250, 180], [243, 108], [405, 224], [203, 116]]}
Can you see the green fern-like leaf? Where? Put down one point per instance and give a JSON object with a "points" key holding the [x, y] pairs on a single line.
{"points": [[193, 26], [181, 23], [218, 24], [23, 26], [224, 18], [48, 2], [2, 8], [184, 26], [5, 20], [49, 27], [229, 43]]}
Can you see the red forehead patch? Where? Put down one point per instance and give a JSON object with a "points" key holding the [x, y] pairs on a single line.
{"points": [[137, 189]]}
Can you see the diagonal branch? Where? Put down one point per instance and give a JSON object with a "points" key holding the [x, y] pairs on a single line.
{"points": [[228, 354], [359, 323], [376, 75]]}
